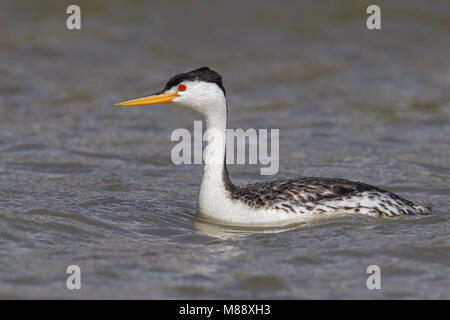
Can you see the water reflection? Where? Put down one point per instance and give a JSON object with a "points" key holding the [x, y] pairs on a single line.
{"points": [[204, 225]]}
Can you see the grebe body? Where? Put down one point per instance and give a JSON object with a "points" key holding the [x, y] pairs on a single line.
{"points": [[272, 203]]}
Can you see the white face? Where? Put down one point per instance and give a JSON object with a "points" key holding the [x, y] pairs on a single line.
{"points": [[204, 97]]}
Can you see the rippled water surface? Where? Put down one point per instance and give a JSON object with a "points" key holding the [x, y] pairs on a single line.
{"points": [[86, 183]]}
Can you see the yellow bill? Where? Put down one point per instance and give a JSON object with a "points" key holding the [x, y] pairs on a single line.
{"points": [[157, 98]]}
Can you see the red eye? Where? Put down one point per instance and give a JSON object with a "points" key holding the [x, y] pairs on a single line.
{"points": [[181, 87]]}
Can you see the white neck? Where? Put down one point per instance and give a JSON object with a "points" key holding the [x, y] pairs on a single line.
{"points": [[214, 153], [212, 190]]}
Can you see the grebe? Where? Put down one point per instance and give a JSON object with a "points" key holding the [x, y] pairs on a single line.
{"points": [[273, 203]]}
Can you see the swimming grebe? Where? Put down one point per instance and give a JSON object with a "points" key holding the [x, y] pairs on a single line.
{"points": [[273, 203]]}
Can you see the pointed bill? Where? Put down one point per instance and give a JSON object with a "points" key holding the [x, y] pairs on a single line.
{"points": [[153, 99]]}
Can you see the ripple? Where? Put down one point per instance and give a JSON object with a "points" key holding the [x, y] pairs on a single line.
{"points": [[53, 168]]}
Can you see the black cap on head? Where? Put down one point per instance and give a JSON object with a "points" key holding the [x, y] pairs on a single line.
{"points": [[201, 74]]}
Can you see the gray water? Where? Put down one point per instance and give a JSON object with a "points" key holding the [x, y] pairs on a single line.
{"points": [[83, 182]]}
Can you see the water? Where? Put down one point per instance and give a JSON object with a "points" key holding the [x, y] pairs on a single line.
{"points": [[86, 183]]}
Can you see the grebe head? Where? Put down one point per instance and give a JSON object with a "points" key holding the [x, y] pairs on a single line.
{"points": [[200, 89]]}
